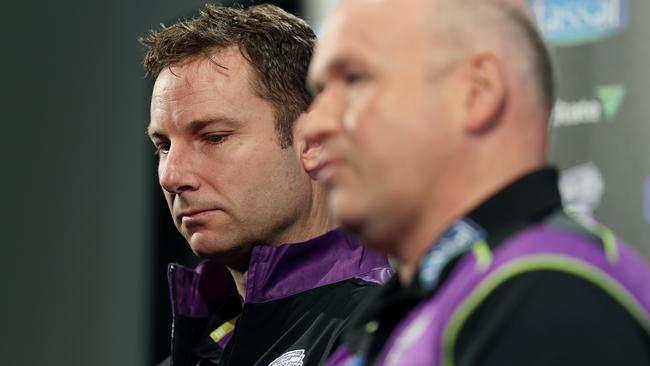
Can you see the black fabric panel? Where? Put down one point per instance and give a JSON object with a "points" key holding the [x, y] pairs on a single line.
{"points": [[389, 304], [206, 348], [312, 320], [551, 318], [186, 333]]}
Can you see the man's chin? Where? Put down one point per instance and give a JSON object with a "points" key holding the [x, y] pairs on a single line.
{"points": [[346, 206], [229, 254], [353, 219], [372, 232]]}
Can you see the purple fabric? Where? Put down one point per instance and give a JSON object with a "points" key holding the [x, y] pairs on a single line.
{"points": [[278, 272], [417, 340], [630, 271], [378, 276], [198, 291]]}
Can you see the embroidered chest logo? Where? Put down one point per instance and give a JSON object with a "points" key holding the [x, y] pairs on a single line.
{"points": [[458, 238], [291, 358]]}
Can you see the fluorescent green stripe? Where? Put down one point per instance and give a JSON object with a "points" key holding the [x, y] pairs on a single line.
{"points": [[611, 248], [605, 234], [224, 329], [531, 263], [483, 254]]}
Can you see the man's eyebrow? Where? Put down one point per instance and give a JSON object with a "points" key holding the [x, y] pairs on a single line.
{"points": [[153, 133], [197, 125], [333, 68], [220, 120]]}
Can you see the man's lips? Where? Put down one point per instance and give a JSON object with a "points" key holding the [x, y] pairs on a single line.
{"points": [[322, 159], [195, 214], [322, 169]]}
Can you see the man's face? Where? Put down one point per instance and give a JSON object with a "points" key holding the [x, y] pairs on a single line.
{"points": [[381, 122], [227, 181]]}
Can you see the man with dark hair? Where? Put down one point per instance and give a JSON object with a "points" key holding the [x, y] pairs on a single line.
{"points": [[430, 133], [230, 83]]}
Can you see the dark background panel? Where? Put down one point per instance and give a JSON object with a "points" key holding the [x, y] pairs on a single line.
{"points": [[85, 235], [617, 147]]}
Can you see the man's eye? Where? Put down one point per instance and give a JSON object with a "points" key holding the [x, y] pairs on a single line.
{"points": [[353, 78], [215, 139], [162, 148]]}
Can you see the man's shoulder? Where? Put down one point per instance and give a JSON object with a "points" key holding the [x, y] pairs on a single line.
{"points": [[578, 292], [543, 310]]}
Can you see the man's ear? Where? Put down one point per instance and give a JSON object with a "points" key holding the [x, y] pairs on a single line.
{"points": [[299, 142], [322, 122], [307, 148], [485, 93]]}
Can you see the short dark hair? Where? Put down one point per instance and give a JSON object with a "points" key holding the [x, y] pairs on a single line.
{"points": [[278, 46]]}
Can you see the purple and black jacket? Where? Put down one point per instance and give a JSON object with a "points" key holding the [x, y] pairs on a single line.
{"points": [[298, 299], [518, 281]]}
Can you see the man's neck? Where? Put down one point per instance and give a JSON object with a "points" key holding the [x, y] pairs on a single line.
{"points": [[317, 222], [414, 244], [240, 278], [240, 273]]}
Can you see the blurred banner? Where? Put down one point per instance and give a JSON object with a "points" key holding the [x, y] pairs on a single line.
{"points": [[599, 129], [600, 123]]}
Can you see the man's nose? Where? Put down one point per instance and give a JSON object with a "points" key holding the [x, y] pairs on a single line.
{"points": [[322, 122], [176, 171]]}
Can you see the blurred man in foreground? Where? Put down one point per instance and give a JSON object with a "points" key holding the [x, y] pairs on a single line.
{"points": [[229, 86], [430, 131]]}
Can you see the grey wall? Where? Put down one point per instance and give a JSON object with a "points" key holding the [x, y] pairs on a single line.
{"points": [[85, 235], [76, 178]]}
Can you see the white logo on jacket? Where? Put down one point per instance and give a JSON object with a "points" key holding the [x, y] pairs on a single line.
{"points": [[291, 358]]}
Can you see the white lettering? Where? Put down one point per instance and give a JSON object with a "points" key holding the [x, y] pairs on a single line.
{"points": [[560, 18], [584, 111]]}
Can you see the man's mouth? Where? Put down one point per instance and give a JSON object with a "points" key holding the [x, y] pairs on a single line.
{"points": [[195, 214], [326, 170]]}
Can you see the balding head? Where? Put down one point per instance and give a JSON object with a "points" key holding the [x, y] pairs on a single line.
{"points": [[437, 102], [505, 27], [458, 28]]}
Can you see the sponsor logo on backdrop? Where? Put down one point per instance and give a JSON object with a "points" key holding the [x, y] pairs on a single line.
{"points": [[582, 188], [291, 358], [578, 22], [603, 106]]}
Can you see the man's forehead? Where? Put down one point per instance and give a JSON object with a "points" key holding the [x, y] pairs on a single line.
{"points": [[198, 71], [386, 13], [368, 27], [341, 39], [203, 84], [225, 74]]}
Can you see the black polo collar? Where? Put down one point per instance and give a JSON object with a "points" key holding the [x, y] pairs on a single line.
{"points": [[526, 200], [521, 203]]}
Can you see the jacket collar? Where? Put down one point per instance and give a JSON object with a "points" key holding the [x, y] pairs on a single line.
{"points": [[276, 272], [279, 272], [521, 203]]}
